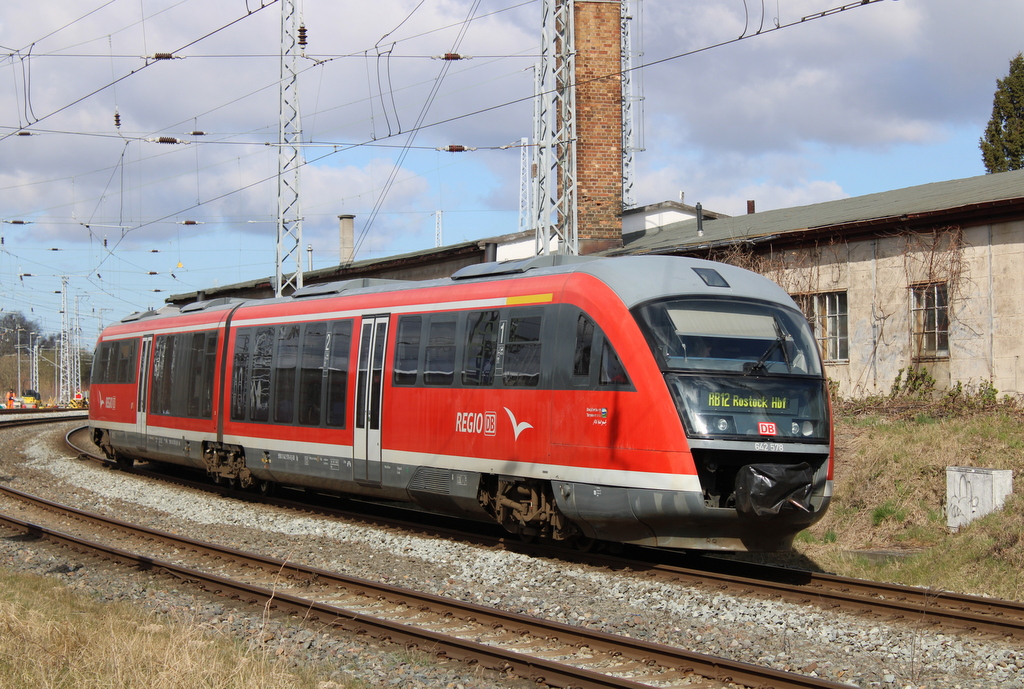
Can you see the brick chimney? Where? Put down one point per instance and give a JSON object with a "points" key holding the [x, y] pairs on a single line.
{"points": [[598, 124]]}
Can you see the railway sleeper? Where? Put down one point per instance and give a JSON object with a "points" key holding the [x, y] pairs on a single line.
{"points": [[525, 507], [226, 463]]}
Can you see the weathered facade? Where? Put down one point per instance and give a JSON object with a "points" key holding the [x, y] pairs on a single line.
{"points": [[925, 279]]}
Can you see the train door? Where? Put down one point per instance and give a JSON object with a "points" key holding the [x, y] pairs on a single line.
{"points": [[366, 450], [143, 387]]}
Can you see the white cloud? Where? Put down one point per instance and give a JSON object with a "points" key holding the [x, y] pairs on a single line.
{"points": [[794, 116]]}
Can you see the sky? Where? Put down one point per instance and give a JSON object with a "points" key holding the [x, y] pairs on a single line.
{"points": [[739, 100]]}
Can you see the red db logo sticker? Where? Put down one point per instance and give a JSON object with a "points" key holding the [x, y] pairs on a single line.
{"points": [[766, 428]]}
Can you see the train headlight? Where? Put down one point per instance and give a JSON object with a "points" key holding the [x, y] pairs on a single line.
{"points": [[712, 424], [796, 428], [807, 428]]}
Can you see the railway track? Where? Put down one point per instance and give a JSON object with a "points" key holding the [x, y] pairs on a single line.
{"points": [[935, 609], [549, 653], [12, 418]]}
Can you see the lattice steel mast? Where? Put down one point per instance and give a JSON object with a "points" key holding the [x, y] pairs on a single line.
{"points": [[64, 363], [289, 157], [76, 352], [555, 206], [525, 186], [629, 100]]}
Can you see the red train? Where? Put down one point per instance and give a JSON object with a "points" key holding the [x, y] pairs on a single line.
{"points": [[653, 400]]}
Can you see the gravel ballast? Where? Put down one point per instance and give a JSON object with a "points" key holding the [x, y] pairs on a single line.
{"points": [[790, 637]]}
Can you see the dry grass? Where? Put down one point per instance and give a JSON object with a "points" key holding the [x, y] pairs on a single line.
{"points": [[54, 638], [890, 490]]}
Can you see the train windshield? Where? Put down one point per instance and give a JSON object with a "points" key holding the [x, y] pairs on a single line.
{"points": [[740, 370], [741, 337]]}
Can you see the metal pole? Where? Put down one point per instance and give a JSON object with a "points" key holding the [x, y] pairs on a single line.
{"points": [[289, 158]]}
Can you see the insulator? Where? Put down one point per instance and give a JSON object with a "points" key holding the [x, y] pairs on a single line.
{"points": [[197, 132], [117, 119], [190, 222], [453, 148], [24, 133], [451, 56], [18, 222], [104, 242], [302, 35], [163, 56], [167, 140], [153, 272]]}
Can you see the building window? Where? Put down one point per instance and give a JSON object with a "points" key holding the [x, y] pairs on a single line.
{"points": [[930, 318], [828, 315]]}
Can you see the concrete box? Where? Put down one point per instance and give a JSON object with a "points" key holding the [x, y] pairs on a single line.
{"points": [[973, 493]]}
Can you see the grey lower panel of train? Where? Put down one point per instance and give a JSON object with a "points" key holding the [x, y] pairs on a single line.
{"points": [[672, 519]]}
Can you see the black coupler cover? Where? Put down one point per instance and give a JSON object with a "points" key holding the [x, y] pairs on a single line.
{"points": [[767, 490]]}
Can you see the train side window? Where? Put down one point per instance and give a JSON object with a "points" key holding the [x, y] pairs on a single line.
{"points": [[209, 365], [99, 365], [197, 348], [259, 397], [377, 373], [125, 353], [612, 371], [584, 346], [311, 373], [407, 350], [163, 357], [481, 348], [340, 347], [240, 374], [523, 352], [439, 354], [286, 361]]}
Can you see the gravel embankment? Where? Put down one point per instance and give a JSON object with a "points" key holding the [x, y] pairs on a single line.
{"points": [[785, 636]]}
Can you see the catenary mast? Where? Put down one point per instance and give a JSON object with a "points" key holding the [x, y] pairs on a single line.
{"points": [[289, 156]]}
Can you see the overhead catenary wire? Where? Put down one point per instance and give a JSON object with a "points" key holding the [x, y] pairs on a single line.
{"points": [[421, 126], [88, 95], [412, 135], [338, 147]]}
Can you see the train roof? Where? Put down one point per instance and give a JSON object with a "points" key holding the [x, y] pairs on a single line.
{"points": [[635, 279]]}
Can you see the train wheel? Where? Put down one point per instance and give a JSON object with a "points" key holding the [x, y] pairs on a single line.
{"points": [[265, 488], [584, 544], [123, 462], [527, 535]]}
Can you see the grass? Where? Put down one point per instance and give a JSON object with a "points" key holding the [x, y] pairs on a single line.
{"points": [[890, 491], [55, 638]]}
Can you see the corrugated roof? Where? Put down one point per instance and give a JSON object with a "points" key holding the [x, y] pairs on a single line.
{"points": [[923, 199]]}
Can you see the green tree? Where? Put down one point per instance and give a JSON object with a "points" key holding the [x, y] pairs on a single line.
{"points": [[1002, 147], [15, 330]]}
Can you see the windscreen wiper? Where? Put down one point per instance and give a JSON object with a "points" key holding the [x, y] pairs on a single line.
{"points": [[781, 338]]}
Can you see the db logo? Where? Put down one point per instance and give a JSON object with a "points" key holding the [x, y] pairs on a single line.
{"points": [[766, 428]]}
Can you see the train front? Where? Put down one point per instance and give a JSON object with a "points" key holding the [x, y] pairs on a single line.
{"points": [[747, 381]]}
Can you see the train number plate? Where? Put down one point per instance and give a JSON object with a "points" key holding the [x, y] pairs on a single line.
{"points": [[768, 447]]}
